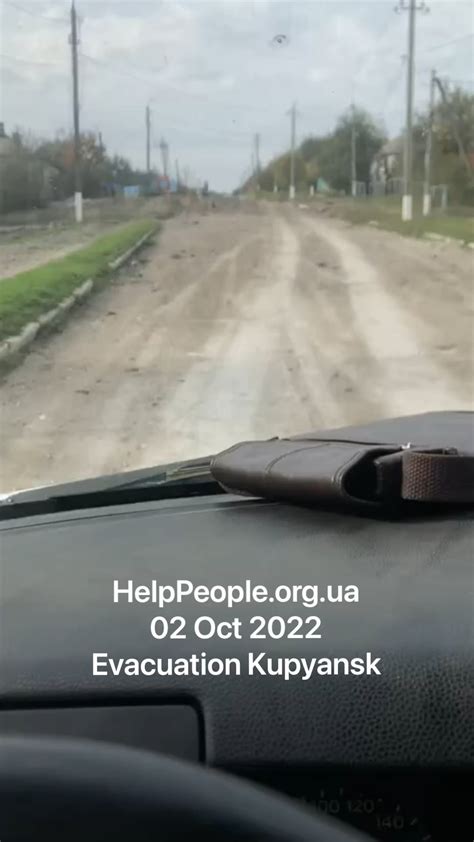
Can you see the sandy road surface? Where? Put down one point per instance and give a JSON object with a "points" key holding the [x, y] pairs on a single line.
{"points": [[241, 324]]}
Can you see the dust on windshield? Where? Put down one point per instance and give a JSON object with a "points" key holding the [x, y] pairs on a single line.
{"points": [[229, 220]]}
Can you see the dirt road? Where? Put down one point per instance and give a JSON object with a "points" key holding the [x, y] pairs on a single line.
{"points": [[241, 324]]}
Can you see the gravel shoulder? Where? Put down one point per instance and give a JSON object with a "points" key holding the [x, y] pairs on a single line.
{"points": [[241, 324]]}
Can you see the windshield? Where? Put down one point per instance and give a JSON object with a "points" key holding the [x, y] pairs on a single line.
{"points": [[222, 221]]}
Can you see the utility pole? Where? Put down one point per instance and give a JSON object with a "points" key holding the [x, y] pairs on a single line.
{"points": [[148, 138], [164, 156], [292, 190], [407, 200], [429, 149], [257, 159], [353, 155], [77, 135], [178, 180]]}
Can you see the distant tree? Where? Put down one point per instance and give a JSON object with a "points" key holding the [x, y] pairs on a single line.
{"points": [[334, 153], [329, 156], [447, 166], [32, 161], [59, 153], [282, 171], [21, 175], [313, 170]]}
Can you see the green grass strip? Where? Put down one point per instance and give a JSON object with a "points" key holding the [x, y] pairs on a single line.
{"points": [[26, 296], [459, 227], [458, 223]]}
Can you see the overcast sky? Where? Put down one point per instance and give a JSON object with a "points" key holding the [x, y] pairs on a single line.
{"points": [[215, 73]]}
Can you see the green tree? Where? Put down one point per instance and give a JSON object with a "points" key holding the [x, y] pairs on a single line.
{"points": [[447, 166], [282, 171], [329, 156], [22, 183], [334, 152]]}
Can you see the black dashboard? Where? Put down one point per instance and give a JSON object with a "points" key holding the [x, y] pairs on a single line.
{"points": [[390, 752], [390, 805]]}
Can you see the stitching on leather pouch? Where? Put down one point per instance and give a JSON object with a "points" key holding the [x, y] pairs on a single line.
{"points": [[296, 450]]}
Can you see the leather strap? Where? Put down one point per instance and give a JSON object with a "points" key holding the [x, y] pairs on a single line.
{"points": [[437, 477]]}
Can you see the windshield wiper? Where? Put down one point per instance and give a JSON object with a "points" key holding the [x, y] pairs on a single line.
{"points": [[178, 479]]}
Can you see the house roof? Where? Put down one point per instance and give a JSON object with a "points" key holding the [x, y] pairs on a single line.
{"points": [[391, 147]]}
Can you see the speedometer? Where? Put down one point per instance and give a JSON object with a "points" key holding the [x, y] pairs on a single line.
{"points": [[383, 817], [389, 805]]}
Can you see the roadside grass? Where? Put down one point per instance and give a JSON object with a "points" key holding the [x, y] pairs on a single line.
{"points": [[457, 223], [26, 296]]}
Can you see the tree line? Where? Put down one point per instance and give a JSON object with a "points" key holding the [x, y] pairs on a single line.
{"points": [[328, 156], [34, 172]]}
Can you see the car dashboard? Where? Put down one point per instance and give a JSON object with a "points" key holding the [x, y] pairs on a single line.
{"points": [[390, 752]]}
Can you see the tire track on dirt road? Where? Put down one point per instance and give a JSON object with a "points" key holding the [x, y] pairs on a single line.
{"points": [[168, 357], [409, 379], [227, 395], [80, 404], [433, 284], [324, 339], [264, 372], [240, 325]]}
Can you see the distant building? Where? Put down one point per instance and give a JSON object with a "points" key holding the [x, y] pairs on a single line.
{"points": [[387, 161]]}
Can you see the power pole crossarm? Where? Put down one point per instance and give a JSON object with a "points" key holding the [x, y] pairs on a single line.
{"points": [[77, 135]]}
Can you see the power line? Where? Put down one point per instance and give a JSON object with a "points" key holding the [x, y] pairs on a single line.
{"points": [[113, 69], [392, 87], [61, 21], [447, 43], [461, 81], [367, 58], [169, 87], [30, 61]]}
